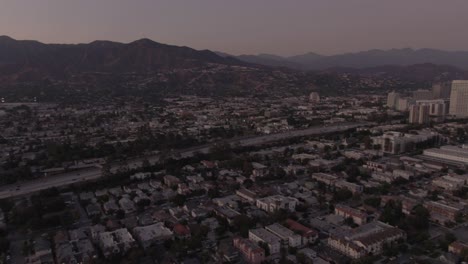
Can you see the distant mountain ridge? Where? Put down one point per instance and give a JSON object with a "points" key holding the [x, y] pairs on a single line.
{"points": [[24, 59], [147, 67], [365, 59]]}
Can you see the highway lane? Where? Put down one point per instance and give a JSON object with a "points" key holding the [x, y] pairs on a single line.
{"points": [[32, 186], [69, 178]]}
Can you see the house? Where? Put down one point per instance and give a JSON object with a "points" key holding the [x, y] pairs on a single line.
{"points": [[259, 170], [227, 252], [116, 242], [208, 164], [86, 196], [171, 181], [457, 248], [181, 231], [195, 179], [76, 249], [100, 193], [93, 210], [183, 189], [116, 192], [152, 234], [110, 206], [127, 205], [251, 252], [42, 252]]}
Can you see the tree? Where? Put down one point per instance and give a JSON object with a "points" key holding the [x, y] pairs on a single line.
{"points": [[242, 223], [342, 195], [213, 193], [459, 218], [221, 151], [120, 214], [349, 221], [419, 218], [179, 199], [392, 213], [373, 201]]}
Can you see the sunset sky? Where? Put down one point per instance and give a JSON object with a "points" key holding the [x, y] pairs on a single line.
{"points": [[284, 27]]}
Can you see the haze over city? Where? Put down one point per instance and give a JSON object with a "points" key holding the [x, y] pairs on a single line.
{"points": [[233, 132], [245, 27]]}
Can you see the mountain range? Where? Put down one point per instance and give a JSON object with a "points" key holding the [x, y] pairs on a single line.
{"points": [[365, 59], [32, 68], [24, 60]]}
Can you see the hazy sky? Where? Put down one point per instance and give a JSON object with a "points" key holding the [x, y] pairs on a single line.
{"points": [[285, 27]]}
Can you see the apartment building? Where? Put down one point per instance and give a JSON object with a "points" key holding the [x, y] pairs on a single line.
{"points": [[251, 252], [262, 235], [288, 237]]}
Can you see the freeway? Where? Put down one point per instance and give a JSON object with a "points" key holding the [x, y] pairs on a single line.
{"points": [[60, 180], [24, 188]]}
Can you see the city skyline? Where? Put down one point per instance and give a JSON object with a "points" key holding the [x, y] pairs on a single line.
{"points": [[324, 27]]}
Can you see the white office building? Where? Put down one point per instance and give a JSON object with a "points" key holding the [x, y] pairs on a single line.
{"points": [[448, 153], [392, 99], [459, 99]]}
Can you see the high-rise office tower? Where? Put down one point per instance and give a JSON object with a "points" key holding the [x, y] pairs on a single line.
{"points": [[441, 90], [392, 99], [419, 114], [436, 107], [422, 95], [459, 98]]}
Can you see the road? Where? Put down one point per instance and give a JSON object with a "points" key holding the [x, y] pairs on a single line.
{"points": [[25, 188]]}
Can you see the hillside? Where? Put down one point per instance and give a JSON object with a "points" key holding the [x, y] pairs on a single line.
{"points": [[366, 59], [32, 60]]}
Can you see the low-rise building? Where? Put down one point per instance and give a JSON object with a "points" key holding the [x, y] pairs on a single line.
{"points": [[450, 182], [457, 248], [353, 187], [251, 252], [259, 170], [450, 154], [152, 234], [170, 180], [325, 178], [442, 212], [288, 237], [358, 216], [262, 235], [397, 142], [116, 242], [307, 235], [274, 203], [368, 239], [247, 195]]}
